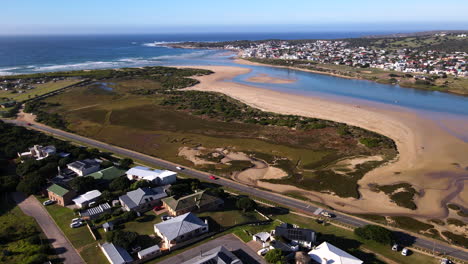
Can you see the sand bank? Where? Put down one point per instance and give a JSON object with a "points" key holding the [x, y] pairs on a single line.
{"points": [[265, 78], [425, 148]]}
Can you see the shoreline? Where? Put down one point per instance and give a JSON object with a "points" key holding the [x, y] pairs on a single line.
{"points": [[416, 139]]}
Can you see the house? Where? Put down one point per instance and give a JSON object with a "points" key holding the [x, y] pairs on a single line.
{"points": [[160, 177], [95, 212], [285, 248], [150, 252], [87, 198], [264, 238], [218, 255], [60, 194], [298, 236], [84, 167], [326, 253], [115, 254], [180, 228], [107, 174], [142, 199], [39, 152], [197, 202]]}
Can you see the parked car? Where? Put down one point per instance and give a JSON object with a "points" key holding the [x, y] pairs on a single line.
{"points": [[76, 220], [29, 124], [179, 168], [405, 252], [212, 177], [166, 217], [326, 214], [48, 202], [445, 261], [157, 208], [395, 247], [76, 224], [263, 251]]}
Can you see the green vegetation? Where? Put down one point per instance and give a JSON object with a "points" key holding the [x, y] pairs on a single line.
{"points": [[141, 114], [275, 256], [39, 90], [456, 222], [411, 224], [245, 204], [459, 240], [453, 207], [20, 238], [376, 233], [402, 194]]}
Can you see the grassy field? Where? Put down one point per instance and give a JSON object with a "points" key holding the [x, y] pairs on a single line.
{"points": [[80, 238], [135, 115], [21, 240], [39, 90]]}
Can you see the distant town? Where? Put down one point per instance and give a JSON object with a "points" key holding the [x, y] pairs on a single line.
{"points": [[339, 52]]}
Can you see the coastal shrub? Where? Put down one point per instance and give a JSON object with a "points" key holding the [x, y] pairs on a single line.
{"points": [[453, 207], [438, 222], [275, 256], [455, 222], [245, 204], [404, 199], [376, 233], [411, 224], [456, 239], [370, 142]]}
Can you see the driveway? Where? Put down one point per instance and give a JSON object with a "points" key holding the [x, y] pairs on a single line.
{"points": [[63, 248], [230, 242]]}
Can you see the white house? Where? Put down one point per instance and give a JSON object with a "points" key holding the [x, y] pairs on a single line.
{"points": [[149, 252], [160, 177], [181, 228], [84, 167], [39, 152], [116, 254], [142, 199], [86, 198], [326, 253], [264, 238]]}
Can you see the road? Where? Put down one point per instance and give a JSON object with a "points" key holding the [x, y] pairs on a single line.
{"points": [[294, 204], [63, 248], [230, 242]]}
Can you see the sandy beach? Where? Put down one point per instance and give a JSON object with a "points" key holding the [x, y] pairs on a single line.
{"points": [[430, 158]]}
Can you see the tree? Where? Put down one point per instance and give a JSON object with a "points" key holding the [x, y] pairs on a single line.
{"points": [[122, 238], [83, 184], [376, 233], [106, 164], [125, 163], [180, 189], [218, 192], [194, 185], [140, 184], [275, 256], [245, 204], [120, 184]]}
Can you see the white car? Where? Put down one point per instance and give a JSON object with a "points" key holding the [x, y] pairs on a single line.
{"points": [[179, 168], [76, 224], [263, 251], [48, 202], [166, 217], [395, 247], [76, 220], [405, 252], [445, 261], [326, 214]]}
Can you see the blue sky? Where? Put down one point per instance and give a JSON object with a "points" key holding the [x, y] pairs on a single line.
{"points": [[113, 16]]}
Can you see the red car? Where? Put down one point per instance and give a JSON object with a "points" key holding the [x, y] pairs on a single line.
{"points": [[29, 124], [212, 177], [157, 208]]}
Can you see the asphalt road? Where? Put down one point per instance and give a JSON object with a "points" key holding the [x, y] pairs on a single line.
{"points": [[278, 199], [63, 248]]}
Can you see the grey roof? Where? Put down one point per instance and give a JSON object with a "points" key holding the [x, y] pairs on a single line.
{"points": [[218, 255], [180, 225], [135, 198], [116, 254], [148, 251], [83, 164], [298, 234], [108, 224], [96, 210]]}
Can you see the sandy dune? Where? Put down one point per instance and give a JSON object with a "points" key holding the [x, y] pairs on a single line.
{"points": [[430, 158], [264, 78]]}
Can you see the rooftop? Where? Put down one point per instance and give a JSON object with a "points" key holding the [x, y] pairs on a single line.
{"points": [[180, 225], [108, 173], [327, 253], [87, 196], [218, 255], [149, 174], [198, 199], [134, 198], [57, 189], [116, 254], [83, 164]]}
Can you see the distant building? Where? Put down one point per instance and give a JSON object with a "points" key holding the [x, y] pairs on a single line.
{"points": [[160, 177], [38, 152], [181, 228], [84, 167], [218, 255], [116, 254], [85, 199], [197, 202], [95, 212], [107, 174], [142, 199], [60, 194], [326, 253], [298, 236]]}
